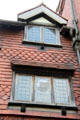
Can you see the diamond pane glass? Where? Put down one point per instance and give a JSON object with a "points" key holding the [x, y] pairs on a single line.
{"points": [[43, 90], [61, 91], [23, 88], [49, 35], [34, 34]]}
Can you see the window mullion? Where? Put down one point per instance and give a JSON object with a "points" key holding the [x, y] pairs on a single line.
{"points": [[13, 87], [72, 99], [57, 37], [52, 91], [69, 88], [26, 33], [41, 34], [33, 88]]}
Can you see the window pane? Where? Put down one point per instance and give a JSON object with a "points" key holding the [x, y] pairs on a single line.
{"points": [[61, 91], [34, 34], [49, 35], [43, 90], [23, 87]]}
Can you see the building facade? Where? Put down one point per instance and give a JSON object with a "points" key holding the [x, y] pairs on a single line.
{"points": [[73, 16], [39, 69]]}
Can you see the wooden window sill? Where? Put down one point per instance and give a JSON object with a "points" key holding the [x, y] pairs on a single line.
{"points": [[67, 107], [30, 43]]}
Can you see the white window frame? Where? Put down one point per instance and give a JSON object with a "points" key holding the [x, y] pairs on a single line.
{"points": [[41, 35]]}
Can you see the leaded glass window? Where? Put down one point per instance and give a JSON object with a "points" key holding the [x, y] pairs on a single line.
{"points": [[42, 89], [61, 91], [34, 33], [49, 35], [41, 34], [23, 87]]}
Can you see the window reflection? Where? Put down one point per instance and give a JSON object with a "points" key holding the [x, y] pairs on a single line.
{"points": [[23, 88], [43, 90], [34, 34], [49, 35], [61, 91]]}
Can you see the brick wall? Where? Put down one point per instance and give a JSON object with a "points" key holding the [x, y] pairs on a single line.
{"points": [[66, 13], [77, 9], [12, 50], [24, 118]]}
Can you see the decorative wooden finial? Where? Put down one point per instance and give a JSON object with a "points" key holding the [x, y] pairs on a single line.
{"points": [[42, 1]]}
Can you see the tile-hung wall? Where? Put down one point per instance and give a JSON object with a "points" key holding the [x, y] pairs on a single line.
{"points": [[38, 84]]}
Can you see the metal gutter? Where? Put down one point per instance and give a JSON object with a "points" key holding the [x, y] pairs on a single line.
{"points": [[15, 23]]}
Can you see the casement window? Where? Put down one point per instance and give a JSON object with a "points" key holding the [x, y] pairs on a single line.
{"points": [[41, 34], [42, 90]]}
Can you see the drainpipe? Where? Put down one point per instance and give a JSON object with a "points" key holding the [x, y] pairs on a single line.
{"points": [[74, 19], [59, 6], [76, 39]]}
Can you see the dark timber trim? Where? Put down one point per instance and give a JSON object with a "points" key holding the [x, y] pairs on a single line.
{"points": [[42, 105], [29, 43], [42, 71]]}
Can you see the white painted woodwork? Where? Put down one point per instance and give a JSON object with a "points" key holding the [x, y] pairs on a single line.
{"points": [[42, 9], [42, 21]]}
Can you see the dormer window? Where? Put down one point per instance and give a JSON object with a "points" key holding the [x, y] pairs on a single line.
{"points": [[42, 34], [37, 20]]}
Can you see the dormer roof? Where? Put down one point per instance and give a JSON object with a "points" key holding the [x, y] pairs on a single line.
{"points": [[41, 11]]}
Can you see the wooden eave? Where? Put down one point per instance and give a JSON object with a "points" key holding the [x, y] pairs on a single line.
{"points": [[41, 11]]}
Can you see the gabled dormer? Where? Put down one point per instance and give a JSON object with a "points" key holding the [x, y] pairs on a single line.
{"points": [[42, 25], [39, 11]]}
